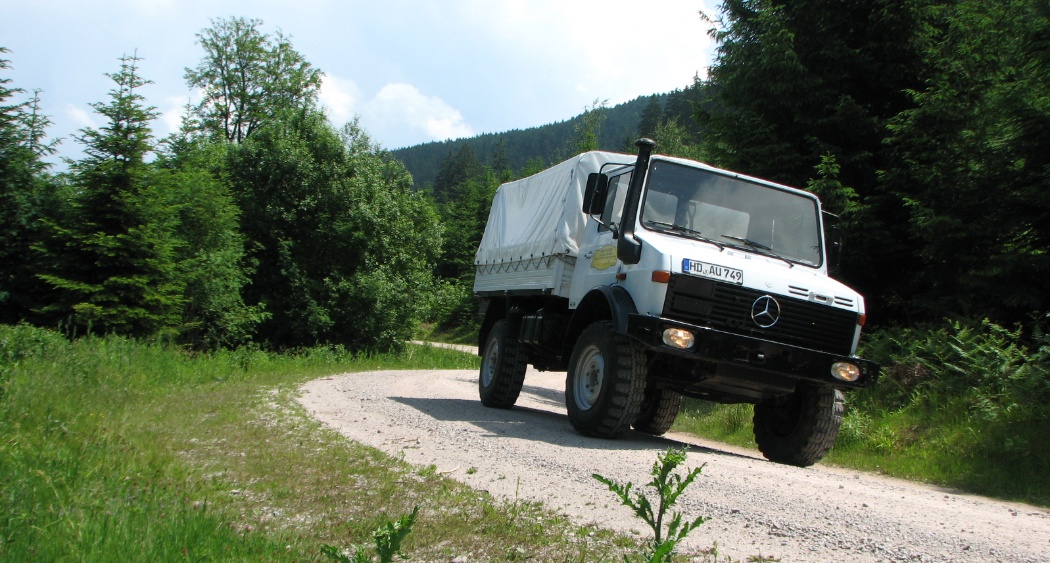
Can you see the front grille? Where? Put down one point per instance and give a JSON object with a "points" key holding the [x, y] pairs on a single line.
{"points": [[727, 307]]}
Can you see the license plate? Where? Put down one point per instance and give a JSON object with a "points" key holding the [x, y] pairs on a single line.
{"points": [[713, 271]]}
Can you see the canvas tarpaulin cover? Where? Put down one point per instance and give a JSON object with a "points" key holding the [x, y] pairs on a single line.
{"points": [[542, 215]]}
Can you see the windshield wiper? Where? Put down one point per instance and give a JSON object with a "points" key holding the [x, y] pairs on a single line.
{"points": [[684, 231], [759, 246]]}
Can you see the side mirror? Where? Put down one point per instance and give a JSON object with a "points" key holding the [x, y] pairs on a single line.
{"points": [[594, 195], [833, 242]]}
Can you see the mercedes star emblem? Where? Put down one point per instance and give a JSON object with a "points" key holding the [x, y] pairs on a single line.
{"points": [[765, 311]]}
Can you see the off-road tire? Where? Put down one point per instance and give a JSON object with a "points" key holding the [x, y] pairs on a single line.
{"points": [[605, 384], [502, 369], [659, 409], [800, 428]]}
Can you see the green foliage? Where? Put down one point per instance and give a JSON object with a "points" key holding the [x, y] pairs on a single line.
{"points": [[669, 486], [588, 129], [673, 139], [248, 77], [211, 247], [969, 160], [109, 449], [835, 197], [344, 249], [985, 366], [456, 170], [112, 260], [23, 198], [387, 538], [936, 117], [652, 116]]}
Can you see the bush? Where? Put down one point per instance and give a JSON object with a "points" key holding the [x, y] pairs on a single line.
{"points": [[990, 368]]}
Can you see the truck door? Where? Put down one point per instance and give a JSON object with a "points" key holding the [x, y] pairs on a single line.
{"points": [[597, 263]]}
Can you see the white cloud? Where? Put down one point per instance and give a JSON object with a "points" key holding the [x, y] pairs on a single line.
{"points": [[171, 112], [403, 115], [616, 49], [80, 117], [340, 97]]}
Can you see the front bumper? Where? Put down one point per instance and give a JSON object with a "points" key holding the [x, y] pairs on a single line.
{"points": [[736, 353]]}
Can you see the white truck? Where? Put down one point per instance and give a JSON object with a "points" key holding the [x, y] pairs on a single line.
{"points": [[650, 278]]}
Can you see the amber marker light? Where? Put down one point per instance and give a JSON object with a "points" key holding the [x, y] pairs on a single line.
{"points": [[662, 276]]}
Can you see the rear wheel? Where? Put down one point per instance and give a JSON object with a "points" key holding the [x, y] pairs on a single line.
{"points": [[800, 428], [605, 383], [502, 369], [659, 409]]}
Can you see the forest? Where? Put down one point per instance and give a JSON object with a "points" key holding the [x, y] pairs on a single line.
{"points": [[922, 124]]}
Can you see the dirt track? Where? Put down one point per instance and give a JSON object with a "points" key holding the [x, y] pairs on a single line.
{"points": [[755, 507]]}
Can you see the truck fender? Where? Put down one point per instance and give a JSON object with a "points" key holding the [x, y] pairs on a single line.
{"points": [[605, 302]]}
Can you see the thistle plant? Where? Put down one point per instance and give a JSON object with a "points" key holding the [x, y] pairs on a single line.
{"points": [[387, 538], [669, 486]]}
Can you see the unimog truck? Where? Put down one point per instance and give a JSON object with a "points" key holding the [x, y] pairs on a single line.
{"points": [[650, 278]]}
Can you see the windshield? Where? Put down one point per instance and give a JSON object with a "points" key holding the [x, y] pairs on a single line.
{"points": [[732, 212]]}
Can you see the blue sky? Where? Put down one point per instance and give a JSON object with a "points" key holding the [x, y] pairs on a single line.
{"points": [[413, 70]]}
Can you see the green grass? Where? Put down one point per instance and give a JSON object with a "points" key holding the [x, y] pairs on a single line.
{"points": [[947, 444], [466, 334], [113, 450]]}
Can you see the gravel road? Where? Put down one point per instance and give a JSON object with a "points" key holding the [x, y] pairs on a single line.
{"points": [[755, 507]]}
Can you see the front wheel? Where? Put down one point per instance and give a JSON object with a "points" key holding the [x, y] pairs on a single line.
{"points": [[659, 409], [502, 369], [605, 383], [800, 428]]}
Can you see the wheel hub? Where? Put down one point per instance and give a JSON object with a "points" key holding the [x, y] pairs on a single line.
{"points": [[589, 378]]}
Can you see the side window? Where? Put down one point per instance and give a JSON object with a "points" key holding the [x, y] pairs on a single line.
{"points": [[614, 200]]}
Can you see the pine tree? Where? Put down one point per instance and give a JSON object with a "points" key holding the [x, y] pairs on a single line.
{"points": [[112, 261], [23, 194], [652, 117]]}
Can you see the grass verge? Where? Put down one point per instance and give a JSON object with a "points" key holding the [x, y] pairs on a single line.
{"points": [[114, 450], [945, 445]]}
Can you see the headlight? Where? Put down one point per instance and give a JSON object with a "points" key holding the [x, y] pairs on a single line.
{"points": [[678, 338], [845, 371]]}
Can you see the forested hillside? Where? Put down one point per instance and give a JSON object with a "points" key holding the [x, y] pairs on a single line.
{"points": [[547, 144]]}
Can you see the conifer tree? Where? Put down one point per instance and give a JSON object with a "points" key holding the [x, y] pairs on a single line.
{"points": [[112, 261], [652, 117], [21, 131]]}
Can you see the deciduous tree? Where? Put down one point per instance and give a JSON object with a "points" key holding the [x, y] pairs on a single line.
{"points": [[248, 77]]}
